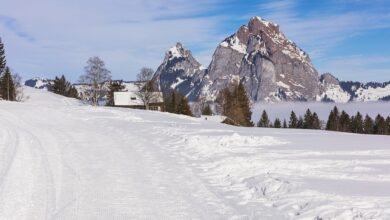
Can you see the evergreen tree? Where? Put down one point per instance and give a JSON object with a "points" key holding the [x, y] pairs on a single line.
{"points": [[59, 85], [307, 120], [183, 107], [333, 120], [357, 124], [115, 86], [316, 124], [235, 106], [368, 125], [388, 125], [277, 123], [3, 62], [7, 88], [264, 120], [244, 106], [300, 122], [72, 92], [293, 123], [176, 103], [284, 123], [344, 122], [207, 110], [380, 125], [62, 87]]}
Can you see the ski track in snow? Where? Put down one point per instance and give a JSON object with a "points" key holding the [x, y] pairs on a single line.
{"points": [[62, 160]]}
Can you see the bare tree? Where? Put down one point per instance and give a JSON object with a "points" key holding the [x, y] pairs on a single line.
{"points": [[19, 94], [95, 75], [147, 91]]}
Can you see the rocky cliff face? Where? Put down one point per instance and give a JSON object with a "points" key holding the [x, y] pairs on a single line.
{"points": [[180, 71], [271, 67]]}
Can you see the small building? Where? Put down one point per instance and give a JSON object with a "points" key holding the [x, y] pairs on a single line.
{"points": [[130, 99]]}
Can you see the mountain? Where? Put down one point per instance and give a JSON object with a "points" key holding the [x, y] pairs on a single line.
{"points": [[272, 68], [180, 71], [39, 83]]}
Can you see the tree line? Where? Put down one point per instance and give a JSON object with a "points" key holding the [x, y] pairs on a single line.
{"points": [[10, 84], [342, 121]]}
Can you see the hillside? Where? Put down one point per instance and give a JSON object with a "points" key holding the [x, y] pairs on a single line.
{"points": [[62, 160]]}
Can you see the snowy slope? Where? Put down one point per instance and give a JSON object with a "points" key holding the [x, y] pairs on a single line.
{"points": [[62, 160]]}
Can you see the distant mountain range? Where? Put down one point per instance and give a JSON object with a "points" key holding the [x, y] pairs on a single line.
{"points": [[272, 68]]}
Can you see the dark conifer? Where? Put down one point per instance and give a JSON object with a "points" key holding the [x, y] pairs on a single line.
{"points": [[244, 105], [264, 120], [380, 125], [357, 124], [207, 110], [293, 123], [115, 86], [368, 125], [344, 122], [300, 122], [7, 88], [277, 123], [284, 123], [307, 120], [316, 123], [3, 62], [333, 120]]}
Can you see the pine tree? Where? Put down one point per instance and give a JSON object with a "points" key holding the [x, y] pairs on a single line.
{"points": [[115, 86], [264, 120], [357, 124], [207, 110], [284, 123], [277, 123], [307, 120], [244, 105], [316, 124], [62, 87], [388, 125], [3, 62], [380, 125], [7, 88], [293, 123], [368, 125], [333, 120], [183, 107], [344, 122], [300, 122]]}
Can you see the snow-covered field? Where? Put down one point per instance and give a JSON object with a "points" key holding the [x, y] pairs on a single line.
{"points": [[62, 160]]}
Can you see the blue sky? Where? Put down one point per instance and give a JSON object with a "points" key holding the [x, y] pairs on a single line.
{"points": [[349, 38]]}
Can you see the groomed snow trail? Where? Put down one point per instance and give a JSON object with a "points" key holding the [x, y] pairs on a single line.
{"points": [[62, 160]]}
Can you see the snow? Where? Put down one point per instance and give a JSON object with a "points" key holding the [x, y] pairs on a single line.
{"points": [[178, 82], [235, 44], [335, 93], [60, 159], [175, 53], [282, 84], [372, 94]]}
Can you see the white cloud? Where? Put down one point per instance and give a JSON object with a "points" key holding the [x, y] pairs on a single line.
{"points": [[126, 34]]}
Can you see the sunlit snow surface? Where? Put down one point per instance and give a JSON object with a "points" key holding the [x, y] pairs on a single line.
{"points": [[62, 160]]}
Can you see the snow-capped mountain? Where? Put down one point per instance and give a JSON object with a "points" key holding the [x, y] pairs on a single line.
{"points": [[180, 71], [39, 83], [272, 68]]}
